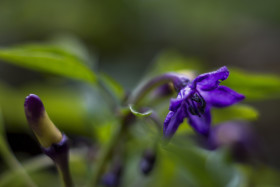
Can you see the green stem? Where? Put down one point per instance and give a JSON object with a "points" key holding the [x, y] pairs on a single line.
{"points": [[37, 163], [64, 171], [105, 155], [13, 163]]}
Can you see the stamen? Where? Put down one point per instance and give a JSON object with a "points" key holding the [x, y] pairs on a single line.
{"points": [[192, 108], [201, 104], [195, 108]]}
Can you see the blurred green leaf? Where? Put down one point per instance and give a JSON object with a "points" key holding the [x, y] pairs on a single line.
{"points": [[235, 112], [219, 167], [1, 123], [184, 128], [64, 105], [253, 85], [48, 58], [170, 61], [261, 175], [203, 170], [104, 132], [74, 46], [139, 114], [191, 166], [113, 86]]}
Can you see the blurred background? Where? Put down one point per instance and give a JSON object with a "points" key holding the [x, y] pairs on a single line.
{"points": [[124, 39]]}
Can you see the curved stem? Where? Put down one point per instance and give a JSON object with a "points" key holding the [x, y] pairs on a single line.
{"points": [[147, 86]]}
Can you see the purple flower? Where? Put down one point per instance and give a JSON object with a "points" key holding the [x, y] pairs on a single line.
{"points": [[238, 136], [195, 100], [148, 161]]}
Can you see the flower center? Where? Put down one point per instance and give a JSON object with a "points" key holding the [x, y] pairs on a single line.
{"points": [[196, 104]]}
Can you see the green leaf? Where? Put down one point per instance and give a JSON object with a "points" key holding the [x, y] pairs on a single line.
{"points": [[1, 123], [73, 45], [253, 85], [139, 114], [112, 86], [49, 59], [240, 111]]}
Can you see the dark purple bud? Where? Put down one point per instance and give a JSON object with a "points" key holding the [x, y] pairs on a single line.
{"points": [[113, 177], [34, 107], [39, 121], [148, 161], [238, 136]]}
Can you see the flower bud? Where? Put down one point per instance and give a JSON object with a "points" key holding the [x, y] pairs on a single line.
{"points": [[113, 177], [148, 161], [237, 136], [39, 121], [54, 144]]}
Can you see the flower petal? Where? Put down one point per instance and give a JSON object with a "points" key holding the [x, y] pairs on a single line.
{"points": [[172, 122], [182, 95], [222, 96], [175, 104], [201, 124], [210, 81]]}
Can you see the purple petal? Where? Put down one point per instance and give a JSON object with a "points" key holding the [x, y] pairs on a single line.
{"points": [[182, 95], [163, 90], [201, 124], [210, 81], [222, 97], [175, 104], [185, 92], [172, 122]]}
